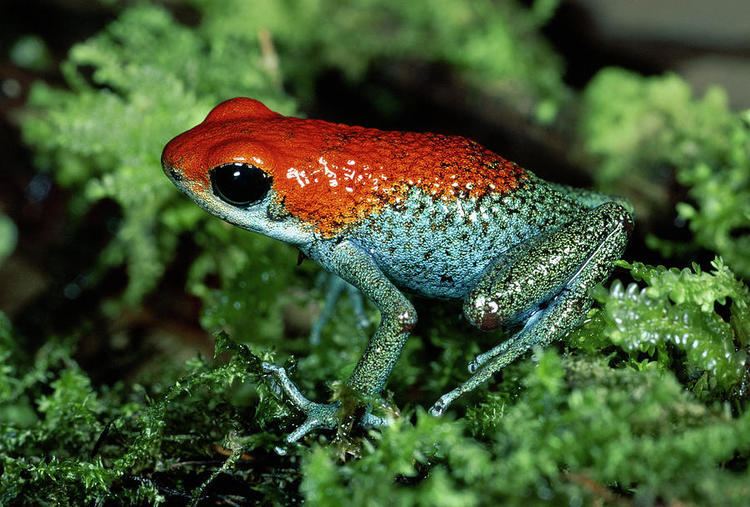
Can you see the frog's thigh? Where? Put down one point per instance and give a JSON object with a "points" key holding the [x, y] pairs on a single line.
{"points": [[594, 242], [529, 276]]}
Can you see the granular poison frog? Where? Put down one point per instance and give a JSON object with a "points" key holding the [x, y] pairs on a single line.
{"points": [[435, 215]]}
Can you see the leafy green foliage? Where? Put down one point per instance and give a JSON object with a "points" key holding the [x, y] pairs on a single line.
{"points": [[575, 428], [569, 430], [579, 432], [8, 234], [719, 207], [495, 43], [65, 441], [256, 274], [152, 79], [675, 320], [399, 454], [638, 130], [643, 125], [49, 414]]}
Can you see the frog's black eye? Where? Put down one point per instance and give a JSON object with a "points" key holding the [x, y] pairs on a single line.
{"points": [[240, 184]]}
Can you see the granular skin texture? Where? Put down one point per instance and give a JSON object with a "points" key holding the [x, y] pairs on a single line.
{"points": [[331, 175]]}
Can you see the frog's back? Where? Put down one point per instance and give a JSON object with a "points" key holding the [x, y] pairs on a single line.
{"points": [[334, 175], [432, 210], [439, 247]]}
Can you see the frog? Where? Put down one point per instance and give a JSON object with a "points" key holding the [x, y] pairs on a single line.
{"points": [[397, 214]]}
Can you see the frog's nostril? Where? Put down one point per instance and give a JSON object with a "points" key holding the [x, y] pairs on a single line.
{"points": [[175, 174]]}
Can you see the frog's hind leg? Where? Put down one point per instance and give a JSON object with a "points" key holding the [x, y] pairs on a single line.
{"points": [[545, 281]]}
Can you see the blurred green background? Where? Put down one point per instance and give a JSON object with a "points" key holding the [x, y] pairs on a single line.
{"points": [[114, 288]]}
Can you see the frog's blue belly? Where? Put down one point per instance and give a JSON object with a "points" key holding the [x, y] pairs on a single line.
{"points": [[438, 248]]}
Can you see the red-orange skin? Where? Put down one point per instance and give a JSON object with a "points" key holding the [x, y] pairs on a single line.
{"points": [[332, 175]]}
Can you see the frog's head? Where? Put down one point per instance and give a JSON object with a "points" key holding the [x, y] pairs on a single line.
{"points": [[225, 164]]}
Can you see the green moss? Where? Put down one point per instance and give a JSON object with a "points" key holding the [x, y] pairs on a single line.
{"points": [[152, 79], [579, 432], [642, 126], [257, 281], [637, 432], [8, 235], [496, 44], [718, 209], [639, 131], [575, 428], [677, 321], [64, 441], [392, 466]]}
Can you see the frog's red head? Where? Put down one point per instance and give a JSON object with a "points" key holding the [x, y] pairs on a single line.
{"points": [[222, 154], [225, 165], [244, 159]]}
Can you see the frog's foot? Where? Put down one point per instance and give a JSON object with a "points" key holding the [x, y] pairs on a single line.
{"points": [[486, 365], [441, 405], [320, 416]]}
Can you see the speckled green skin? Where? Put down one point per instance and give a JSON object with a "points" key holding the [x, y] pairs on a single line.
{"points": [[526, 257]]}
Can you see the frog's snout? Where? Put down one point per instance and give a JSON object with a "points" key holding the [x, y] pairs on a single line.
{"points": [[173, 173]]}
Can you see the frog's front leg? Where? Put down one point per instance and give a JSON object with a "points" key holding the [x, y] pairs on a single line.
{"points": [[397, 319], [334, 288], [545, 282]]}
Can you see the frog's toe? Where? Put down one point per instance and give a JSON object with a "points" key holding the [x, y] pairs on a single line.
{"points": [[373, 421], [283, 383], [480, 359], [442, 404], [319, 417], [326, 417], [438, 408], [474, 364]]}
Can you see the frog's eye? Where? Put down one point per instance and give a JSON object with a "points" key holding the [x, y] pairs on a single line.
{"points": [[240, 184]]}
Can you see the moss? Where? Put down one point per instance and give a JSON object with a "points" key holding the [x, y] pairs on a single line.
{"points": [[66, 442], [152, 79], [578, 432], [580, 427], [8, 237], [493, 43], [677, 319], [641, 130], [643, 125]]}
